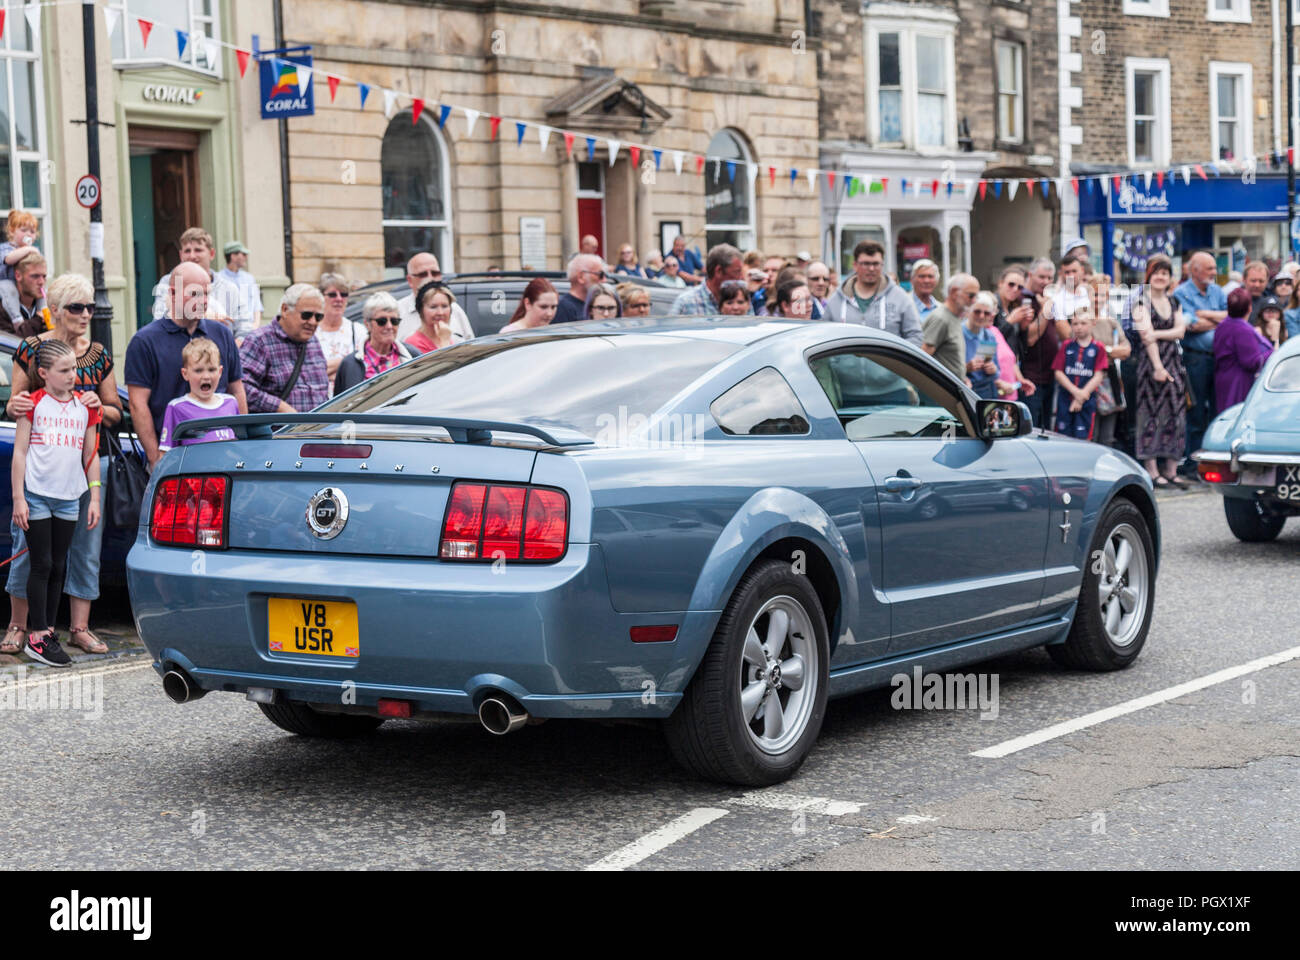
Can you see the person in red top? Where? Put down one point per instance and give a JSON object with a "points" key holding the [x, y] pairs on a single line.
{"points": [[55, 460]]}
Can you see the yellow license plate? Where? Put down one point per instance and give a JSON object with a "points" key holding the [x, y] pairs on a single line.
{"points": [[325, 628]]}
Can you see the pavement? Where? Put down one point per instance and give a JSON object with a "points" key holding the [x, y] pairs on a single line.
{"points": [[1201, 774]]}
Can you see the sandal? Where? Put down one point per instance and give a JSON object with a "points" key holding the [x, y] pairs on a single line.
{"points": [[1161, 482], [14, 639], [1178, 482], [92, 645]]}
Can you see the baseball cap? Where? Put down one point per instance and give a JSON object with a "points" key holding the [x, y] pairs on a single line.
{"points": [[1074, 244], [803, 255], [234, 246]]}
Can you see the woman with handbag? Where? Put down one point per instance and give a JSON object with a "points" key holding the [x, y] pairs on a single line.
{"points": [[71, 300], [1161, 379], [1111, 400]]}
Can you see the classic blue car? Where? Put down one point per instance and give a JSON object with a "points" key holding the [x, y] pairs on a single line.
{"points": [[1251, 451], [717, 523]]}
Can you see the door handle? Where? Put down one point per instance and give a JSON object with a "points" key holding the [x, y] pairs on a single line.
{"points": [[899, 484]]}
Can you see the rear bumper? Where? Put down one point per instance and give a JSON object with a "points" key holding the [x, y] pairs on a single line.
{"points": [[1281, 493], [438, 634]]}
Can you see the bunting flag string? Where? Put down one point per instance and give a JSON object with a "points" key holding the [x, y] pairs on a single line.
{"points": [[333, 83]]}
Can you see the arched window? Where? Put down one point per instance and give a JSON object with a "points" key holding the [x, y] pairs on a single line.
{"points": [[728, 195], [417, 195]]}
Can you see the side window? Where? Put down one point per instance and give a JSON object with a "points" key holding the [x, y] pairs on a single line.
{"points": [[760, 405], [6, 380], [880, 396]]}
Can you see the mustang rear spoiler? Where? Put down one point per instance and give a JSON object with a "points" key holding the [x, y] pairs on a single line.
{"points": [[257, 425]]}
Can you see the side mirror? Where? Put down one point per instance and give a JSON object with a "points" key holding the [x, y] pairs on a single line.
{"points": [[1003, 418]]}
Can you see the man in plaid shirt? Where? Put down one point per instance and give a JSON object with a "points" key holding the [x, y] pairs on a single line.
{"points": [[723, 263], [270, 353]]}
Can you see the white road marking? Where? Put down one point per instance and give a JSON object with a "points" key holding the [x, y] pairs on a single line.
{"points": [[60, 674], [1132, 706], [657, 840], [795, 802], [916, 818]]}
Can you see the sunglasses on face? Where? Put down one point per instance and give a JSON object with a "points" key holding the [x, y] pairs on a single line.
{"points": [[385, 321], [80, 308], [428, 275], [336, 294], [311, 315]]}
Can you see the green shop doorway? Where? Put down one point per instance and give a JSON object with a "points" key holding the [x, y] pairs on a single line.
{"points": [[164, 203]]}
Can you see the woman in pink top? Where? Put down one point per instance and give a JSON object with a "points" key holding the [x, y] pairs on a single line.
{"points": [[433, 304]]}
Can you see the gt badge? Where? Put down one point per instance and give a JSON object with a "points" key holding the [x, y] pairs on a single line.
{"points": [[327, 513]]}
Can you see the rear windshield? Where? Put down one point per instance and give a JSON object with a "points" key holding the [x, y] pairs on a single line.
{"points": [[575, 381]]}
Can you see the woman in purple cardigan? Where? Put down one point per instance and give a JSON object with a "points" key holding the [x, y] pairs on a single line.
{"points": [[1239, 352]]}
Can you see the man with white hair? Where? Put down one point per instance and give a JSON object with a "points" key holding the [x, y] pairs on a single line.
{"points": [[421, 269], [285, 370], [584, 270], [1204, 306], [925, 278], [942, 335]]}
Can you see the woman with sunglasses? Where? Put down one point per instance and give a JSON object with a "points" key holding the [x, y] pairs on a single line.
{"points": [[71, 300], [381, 351], [338, 338], [1285, 289], [602, 303]]}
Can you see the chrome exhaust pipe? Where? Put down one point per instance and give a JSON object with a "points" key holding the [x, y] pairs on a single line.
{"points": [[180, 686], [501, 715]]}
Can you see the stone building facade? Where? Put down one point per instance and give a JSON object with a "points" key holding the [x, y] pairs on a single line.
{"points": [[1166, 85], [720, 78], [948, 91]]}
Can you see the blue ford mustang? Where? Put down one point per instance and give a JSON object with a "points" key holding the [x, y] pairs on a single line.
{"points": [[717, 523], [1251, 451]]}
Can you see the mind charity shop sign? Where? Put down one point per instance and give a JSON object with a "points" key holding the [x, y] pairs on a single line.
{"points": [[287, 90]]}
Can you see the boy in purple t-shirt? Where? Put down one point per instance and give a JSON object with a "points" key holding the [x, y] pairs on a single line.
{"points": [[201, 369]]}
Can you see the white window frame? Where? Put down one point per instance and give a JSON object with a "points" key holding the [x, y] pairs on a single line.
{"points": [[1240, 12], [1245, 100], [1146, 8], [1019, 49], [447, 262], [41, 208], [748, 229], [1164, 110], [127, 23], [910, 21]]}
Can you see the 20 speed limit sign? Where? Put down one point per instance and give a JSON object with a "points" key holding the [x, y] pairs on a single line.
{"points": [[88, 191]]}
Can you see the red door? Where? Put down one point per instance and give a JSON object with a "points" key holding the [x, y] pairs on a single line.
{"points": [[591, 220]]}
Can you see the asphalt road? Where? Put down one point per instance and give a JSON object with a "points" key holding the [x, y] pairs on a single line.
{"points": [[1206, 780]]}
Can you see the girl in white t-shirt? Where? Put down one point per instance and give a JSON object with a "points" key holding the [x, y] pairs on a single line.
{"points": [[56, 456]]}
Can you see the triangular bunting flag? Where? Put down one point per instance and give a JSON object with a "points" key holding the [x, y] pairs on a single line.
{"points": [[1074, 182], [771, 177], [658, 155], [146, 27], [678, 157], [495, 122], [613, 150], [33, 14], [1105, 186], [591, 148], [731, 170], [364, 90], [997, 189], [634, 152], [812, 179], [1187, 175], [111, 18], [968, 188], [1214, 168], [884, 183], [242, 57], [699, 166], [543, 137], [830, 179], [390, 100], [1146, 181], [471, 118], [520, 129], [794, 175], [1012, 187], [902, 185], [568, 144], [1160, 179], [1200, 172], [984, 188], [1115, 182], [444, 111], [934, 187], [182, 41], [751, 173], [417, 107], [1029, 184], [304, 80], [333, 83], [949, 186], [849, 181]]}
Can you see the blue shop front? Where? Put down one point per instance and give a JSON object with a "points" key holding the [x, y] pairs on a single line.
{"points": [[1236, 221]]}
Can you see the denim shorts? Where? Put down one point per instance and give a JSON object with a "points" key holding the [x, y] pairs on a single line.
{"points": [[42, 508], [82, 578]]}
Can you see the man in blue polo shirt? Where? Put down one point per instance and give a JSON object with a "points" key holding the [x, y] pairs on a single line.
{"points": [[153, 357], [1205, 305]]}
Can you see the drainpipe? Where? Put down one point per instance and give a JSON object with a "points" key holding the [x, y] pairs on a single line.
{"points": [[285, 205], [1277, 77]]}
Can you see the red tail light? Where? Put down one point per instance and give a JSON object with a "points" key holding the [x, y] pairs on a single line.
{"points": [[504, 522], [190, 511], [1213, 472]]}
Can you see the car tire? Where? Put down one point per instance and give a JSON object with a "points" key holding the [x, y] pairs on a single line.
{"points": [[709, 733], [1113, 615], [1249, 522], [300, 719]]}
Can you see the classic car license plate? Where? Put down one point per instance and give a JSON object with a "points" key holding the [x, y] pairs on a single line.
{"points": [[1288, 483], [326, 628], [1258, 476]]}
